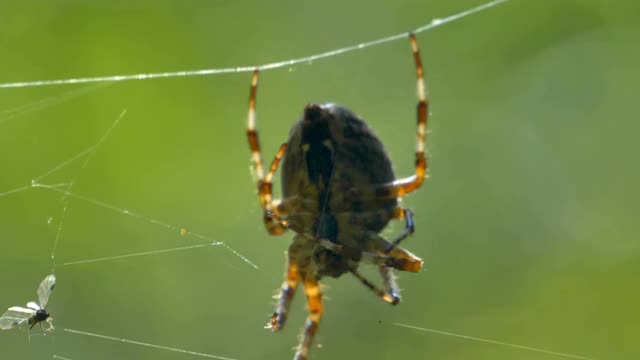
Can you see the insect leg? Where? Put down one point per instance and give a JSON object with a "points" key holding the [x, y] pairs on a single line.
{"points": [[287, 291], [264, 182], [314, 302]]}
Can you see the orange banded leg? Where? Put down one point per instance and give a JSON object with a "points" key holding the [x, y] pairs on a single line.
{"points": [[400, 259], [386, 296], [265, 193], [409, 227], [404, 186], [287, 291], [265, 187], [403, 260], [314, 302], [397, 258]]}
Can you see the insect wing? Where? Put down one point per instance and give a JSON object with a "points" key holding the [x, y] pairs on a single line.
{"points": [[15, 316], [34, 306], [20, 310], [45, 288]]}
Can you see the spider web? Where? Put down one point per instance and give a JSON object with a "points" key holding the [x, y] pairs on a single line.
{"points": [[110, 264]]}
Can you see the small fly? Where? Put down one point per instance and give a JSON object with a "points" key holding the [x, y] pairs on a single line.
{"points": [[34, 313]]}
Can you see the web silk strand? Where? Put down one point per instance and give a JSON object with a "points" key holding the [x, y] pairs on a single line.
{"points": [[494, 342], [243, 69], [140, 343]]}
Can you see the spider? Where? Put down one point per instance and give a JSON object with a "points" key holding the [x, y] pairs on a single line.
{"points": [[338, 193]]}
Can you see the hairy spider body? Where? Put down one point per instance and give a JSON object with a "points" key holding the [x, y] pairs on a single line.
{"points": [[331, 155], [339, 191]]}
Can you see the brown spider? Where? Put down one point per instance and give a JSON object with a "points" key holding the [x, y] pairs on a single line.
{"points": [[339, 192]]}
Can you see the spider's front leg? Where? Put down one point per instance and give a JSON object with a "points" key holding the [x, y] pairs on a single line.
{"points": [[265, 194], [265, 186], [406, 185]]}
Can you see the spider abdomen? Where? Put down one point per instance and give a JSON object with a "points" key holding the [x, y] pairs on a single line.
{"points": [[332, 164]]}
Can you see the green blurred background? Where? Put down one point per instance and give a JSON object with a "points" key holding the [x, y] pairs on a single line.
{"points": [[528, 224]]}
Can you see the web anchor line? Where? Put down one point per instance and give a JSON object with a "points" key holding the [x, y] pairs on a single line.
{"points": [[242, 69]]}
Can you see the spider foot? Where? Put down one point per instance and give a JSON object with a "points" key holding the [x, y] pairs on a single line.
{"points": [[277, 321], [395, 298]]}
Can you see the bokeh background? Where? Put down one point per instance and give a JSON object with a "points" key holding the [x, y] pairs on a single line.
{"points": [[528, 224]]}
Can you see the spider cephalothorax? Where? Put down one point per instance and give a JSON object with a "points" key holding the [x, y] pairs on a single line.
{"points": [[339, 191]]}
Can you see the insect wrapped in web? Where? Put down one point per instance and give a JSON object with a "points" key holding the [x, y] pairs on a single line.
{"points": [[338, 193], [34, 313]]}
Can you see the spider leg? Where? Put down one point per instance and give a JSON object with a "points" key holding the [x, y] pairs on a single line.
{"points": [[390, 297], [287, 291], [406, 185], [390, 285], [265, 187], [265, 192], [409, 227], [401, 260], [397, 257], [314, 302]]}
